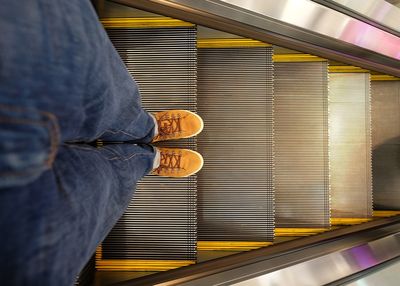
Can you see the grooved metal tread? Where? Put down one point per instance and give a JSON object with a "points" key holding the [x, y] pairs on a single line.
{"points": [[350, 145], [160, 222], [301, 144], [235, 186]]}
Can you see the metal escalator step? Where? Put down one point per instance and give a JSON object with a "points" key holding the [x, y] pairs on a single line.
{"points": [[350, 145], [301, 144], [386, 143], [160, 223], [235, 186]]}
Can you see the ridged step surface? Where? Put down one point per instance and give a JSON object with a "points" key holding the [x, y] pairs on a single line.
{"points": [[386, 144], [301, 144], [160, 223], [235, 187], [350, 145]]}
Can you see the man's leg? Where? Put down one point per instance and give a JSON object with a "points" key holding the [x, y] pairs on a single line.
{"points": [[56, 58], [60, 80], [51, 227]]}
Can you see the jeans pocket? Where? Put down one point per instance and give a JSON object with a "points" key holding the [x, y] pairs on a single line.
{"points": [[28, 144]]}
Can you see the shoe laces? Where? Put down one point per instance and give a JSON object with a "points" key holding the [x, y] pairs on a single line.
{"points": [[169, 125], [169, 161]]}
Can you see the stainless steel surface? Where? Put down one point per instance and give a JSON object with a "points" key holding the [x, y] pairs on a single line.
{"points": [[379, 11], [334, 266], [235, 186], [327, 22], [301, 144], [160, 222], [386, 144], [387, 275], [297, 24], [350, 145]]}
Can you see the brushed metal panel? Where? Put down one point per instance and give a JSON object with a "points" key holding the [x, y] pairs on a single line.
{"points": [[235, 186], [301, 144], [350, 144], [386, 144], [331, 267], [160, 222], [386, 273], [380, 11], [324, 21]]}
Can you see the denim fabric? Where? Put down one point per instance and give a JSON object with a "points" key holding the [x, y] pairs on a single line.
{"points": [[61, 81]]}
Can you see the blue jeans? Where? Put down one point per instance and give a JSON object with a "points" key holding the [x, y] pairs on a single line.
{"points": [[62, 82]]}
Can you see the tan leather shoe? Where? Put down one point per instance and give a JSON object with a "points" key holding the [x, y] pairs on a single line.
{"points": [[177, 124], [176, 162]]}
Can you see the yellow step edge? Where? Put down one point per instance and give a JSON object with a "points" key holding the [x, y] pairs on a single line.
{"points": [[383, 77], [385, 213], [231, 245], [140, 265], [229, 43], [289, 231], [349, 221], [149, 22], [346, 69], [291, 58]]}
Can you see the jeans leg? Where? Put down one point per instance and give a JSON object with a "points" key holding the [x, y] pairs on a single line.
{"points": [[51, 227], [55, 57]]}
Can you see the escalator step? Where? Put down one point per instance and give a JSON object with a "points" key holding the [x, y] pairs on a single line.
{"points": [[386, 142], [301, 144], [235, 186], [350, 144], [160, 223]]}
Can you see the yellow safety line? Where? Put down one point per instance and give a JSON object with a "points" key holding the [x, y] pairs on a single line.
{"points": [[151, 22], [137, 264], [385, 213], [349, 221], [231, 245], [230, 43], [383, 77], [289, 231], [140, 265], [346, 69], [289, 58]]}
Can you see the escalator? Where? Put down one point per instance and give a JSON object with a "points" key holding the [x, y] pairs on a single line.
{"points": [[291, 144]]}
